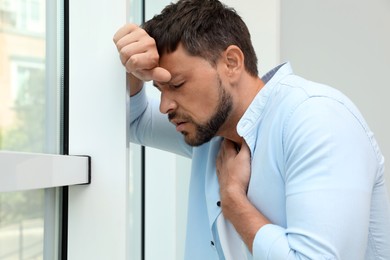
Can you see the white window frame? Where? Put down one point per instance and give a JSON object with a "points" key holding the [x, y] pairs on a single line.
{"points": [[98, 219], [21, 171]]}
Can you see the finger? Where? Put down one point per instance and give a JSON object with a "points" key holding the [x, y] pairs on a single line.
{"points": [[157, 74], [230, 148], [245, 151], [140, 61], [244, 146], [138, 35], [220, 156], [225, 153], [125, 41], [124, 30], [161, 75], [143, 75]]}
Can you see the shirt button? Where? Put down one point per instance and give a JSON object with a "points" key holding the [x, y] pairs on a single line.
{"points": [[212, 243], [219, 203]]}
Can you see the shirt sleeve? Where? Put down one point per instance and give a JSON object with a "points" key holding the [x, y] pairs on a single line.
{"points": [[330, 171], [151, 128]]}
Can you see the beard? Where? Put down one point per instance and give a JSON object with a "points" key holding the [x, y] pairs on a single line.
{"points": [[205, 132]]}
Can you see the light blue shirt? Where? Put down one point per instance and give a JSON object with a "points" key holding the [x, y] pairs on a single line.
{"points": [[317, 174]]}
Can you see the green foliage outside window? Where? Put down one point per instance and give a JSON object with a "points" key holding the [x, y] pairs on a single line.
{"points": [[27, 134]]}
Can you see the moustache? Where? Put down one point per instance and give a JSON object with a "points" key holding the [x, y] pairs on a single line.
{"points": [[171, 116], [180, 117]]}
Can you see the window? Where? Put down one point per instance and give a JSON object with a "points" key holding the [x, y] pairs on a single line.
{"points": [[23, 16], [30, 119]]}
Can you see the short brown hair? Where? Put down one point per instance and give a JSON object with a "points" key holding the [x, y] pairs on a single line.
{"points": [[205, 28]]}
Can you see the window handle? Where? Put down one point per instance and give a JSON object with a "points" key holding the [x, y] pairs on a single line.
{"points": [[25, 171]]}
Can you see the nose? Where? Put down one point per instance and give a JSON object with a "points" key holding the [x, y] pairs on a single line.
{"points": [[167, 103]]}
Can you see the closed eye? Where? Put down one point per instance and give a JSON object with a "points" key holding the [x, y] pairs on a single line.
{"points": [[176, 86]]}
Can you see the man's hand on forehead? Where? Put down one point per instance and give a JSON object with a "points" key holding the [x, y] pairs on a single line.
{"points": [[157, 74], [138, 53]]}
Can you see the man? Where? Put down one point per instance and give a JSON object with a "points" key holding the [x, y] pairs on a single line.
{"points": [[282, 168]]}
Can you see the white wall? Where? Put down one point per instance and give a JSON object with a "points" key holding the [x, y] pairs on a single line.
{"points": [[345, 44], [263, 20]]}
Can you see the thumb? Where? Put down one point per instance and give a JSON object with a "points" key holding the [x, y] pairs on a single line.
{"points": [[160, 74], [244, 150]]}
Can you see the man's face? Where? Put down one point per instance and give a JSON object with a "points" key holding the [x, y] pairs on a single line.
{"points": [[195, 99]]}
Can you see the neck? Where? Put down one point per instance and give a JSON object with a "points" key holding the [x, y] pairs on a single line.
{"points": [[243, 95]]}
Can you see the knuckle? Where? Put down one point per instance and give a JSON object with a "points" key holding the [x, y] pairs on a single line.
{"points": [[133, 61], [150, 42], [123, 61], [123, 54], [121, 44], [154, 58]]}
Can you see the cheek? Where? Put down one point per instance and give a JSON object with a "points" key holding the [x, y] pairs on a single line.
{"points": [[203, 107], [203, 98]]}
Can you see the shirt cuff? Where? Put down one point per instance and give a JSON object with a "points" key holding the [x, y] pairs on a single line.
{"points": [[271, 243]]}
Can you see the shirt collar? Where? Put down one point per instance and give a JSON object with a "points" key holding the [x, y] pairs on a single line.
{"points": [[256, 108]]}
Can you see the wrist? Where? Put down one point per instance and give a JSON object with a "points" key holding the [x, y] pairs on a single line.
{"points": [[232, 200], [135, 84]]}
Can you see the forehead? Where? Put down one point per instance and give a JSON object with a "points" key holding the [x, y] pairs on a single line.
{"points": [[180, 62]]}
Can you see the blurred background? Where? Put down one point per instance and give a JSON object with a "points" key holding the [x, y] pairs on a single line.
{"points": [[136, 206]]}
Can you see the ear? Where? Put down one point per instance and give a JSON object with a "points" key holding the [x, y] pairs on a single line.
{"points": [[233, 59]]}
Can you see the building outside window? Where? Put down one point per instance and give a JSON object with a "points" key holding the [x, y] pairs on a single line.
{"points": [[25, 125]]}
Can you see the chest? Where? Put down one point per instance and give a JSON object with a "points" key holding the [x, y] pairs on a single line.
{"points": [[266, 188]]}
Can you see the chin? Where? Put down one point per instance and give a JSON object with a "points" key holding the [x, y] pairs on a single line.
{"points": [[196, 141]]}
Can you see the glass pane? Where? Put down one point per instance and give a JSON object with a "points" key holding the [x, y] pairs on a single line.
{"points": [[29, 120], [160, 186], [21, 225], [135, 203]]}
